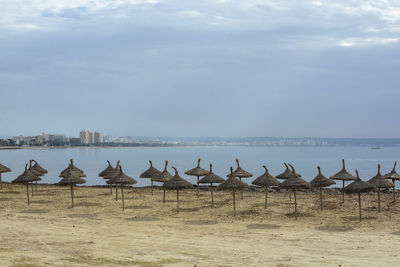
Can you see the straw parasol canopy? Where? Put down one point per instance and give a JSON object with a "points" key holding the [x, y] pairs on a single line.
{"points": [[232, 183], [358, 186], [73, 169], [285, 175], [122, 179], [343, 175], [25, 178], [380, 182], [36, 170], [150, 173], [163, 177], [69, 178], [321, 181], [394, 176], [176, 183], [266, 180], [294, 182], [197, 171], [111, 174], [211, 178], [240, 173], [3, 169], [107, 170]]}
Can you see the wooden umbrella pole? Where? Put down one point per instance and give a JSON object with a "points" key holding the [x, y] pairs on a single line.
{"points": [[27, 193], [212, 195], [32, 188], [116, 192], [266, 196], [1, 183], [342, 191], [123, 200], [241, 192], [177, 200], [359, 204], [152, 187], [320, 196], [379, 199], [111, 189], [394, 191], [295, 203], [72, 194], [234, 203], [163, 200], [198, 187], [36, 186], [290, 195]]}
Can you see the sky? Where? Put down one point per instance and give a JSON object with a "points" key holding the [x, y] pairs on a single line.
{"points": [[200, 68]]}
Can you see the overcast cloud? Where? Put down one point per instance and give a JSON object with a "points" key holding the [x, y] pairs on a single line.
{"points": [[200, 68]]}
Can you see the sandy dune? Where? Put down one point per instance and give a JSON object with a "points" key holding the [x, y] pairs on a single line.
{"points": [[150, 233]]}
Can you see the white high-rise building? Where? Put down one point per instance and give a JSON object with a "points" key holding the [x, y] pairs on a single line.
{"points": [[84, 136], [98, 138]]}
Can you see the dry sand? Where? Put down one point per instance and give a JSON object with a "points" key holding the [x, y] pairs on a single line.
{"points": [[150, 233]]}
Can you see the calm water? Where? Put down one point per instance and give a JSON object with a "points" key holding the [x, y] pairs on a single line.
{"points": [[135, 160]]}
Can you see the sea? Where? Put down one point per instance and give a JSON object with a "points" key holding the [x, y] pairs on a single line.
{"points": [[135, 160]]}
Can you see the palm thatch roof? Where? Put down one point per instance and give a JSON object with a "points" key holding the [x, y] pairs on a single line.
{"points": [[294, 181], [69, 178], [266, 179], [177, 182], [343, 174], [112, 173], [320, 180], [107, 170], [75, 170], [239, 172], [37, 169], [4, 168], [163, 176], [232, 183], [286, 174], [359, 186], [379, 181], [197, 171], [150, 172], [26, 177], [122, 178], [211, 178], [393, 174]]}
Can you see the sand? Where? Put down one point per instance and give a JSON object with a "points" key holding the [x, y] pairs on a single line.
{"points": [[150, 233]]}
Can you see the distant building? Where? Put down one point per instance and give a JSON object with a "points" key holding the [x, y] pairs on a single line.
{"points": [[84, 136], [107, 139], [98, 138]]}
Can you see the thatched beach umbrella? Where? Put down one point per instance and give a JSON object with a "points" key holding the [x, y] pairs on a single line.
{"points": [[321, 181], [123, 179], [150, 173], [109, 171], [358, 186], [232, 183], [393, 175], [266, 180], [25, 178], [72, 169], [70, 178], [110, 177], [343, 175], [240, 173], [285, 175], [380, 182], [197, 171], [163, 177], [211, 178], [176, 183], [36, 170], [294, 182], [2, 170]]}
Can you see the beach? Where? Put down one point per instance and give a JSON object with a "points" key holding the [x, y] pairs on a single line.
{"points": [[149, 233]]}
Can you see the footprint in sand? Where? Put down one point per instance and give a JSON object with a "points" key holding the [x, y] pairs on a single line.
{"points": [[262, 226], [200, 222], [334, 228], [143, 219]]}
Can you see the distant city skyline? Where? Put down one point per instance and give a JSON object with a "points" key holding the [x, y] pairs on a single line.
{"points": [[199, 69]]}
